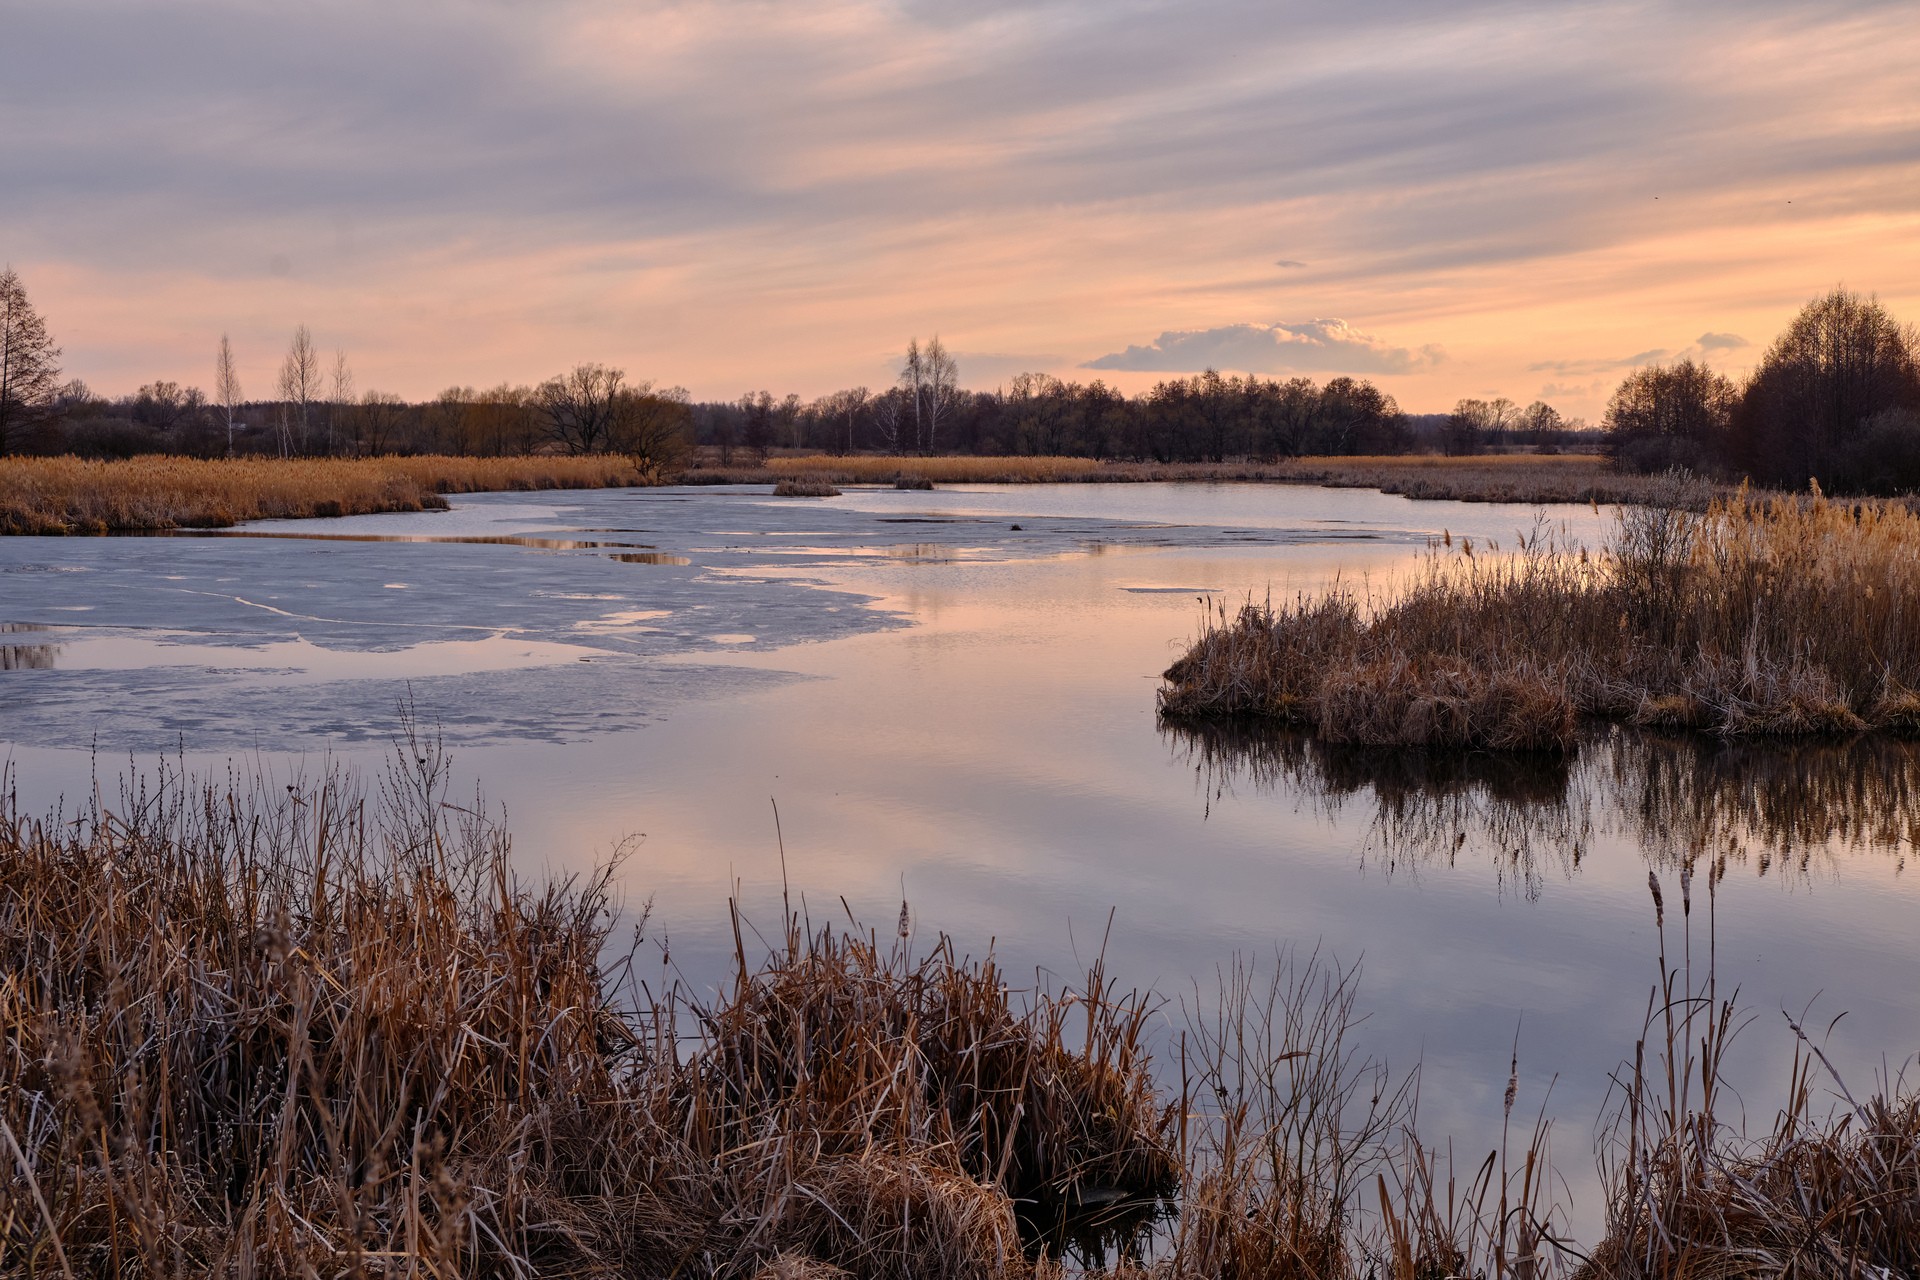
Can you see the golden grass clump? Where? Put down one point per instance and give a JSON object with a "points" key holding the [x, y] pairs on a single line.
{"points": [[266, 1030], [1750, 617], [68, 495], [805, 486], [315, 1031]]}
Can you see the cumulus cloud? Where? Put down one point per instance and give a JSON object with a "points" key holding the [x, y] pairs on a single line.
{"points": [[1720, 342], [1315, 346]]}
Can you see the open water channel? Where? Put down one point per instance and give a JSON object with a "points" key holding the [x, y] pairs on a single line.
{"points": [[950, 697]]}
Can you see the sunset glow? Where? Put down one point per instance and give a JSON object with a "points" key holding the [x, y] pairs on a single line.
{"points": [[1458, 200]]}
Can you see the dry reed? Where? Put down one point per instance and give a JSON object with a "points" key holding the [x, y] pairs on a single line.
{"points": [[71, 495], [1533, 478], [804, 486], [1775, 616], [318, 1031], [255, 1030]]}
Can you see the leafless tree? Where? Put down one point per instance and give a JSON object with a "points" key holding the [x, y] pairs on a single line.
{"points": [[299, 387], [892, 417], [28, 362], [378, 421], [913, 383], [846, 405], [941, 385], [339, 395], [929, 376], [226, 387], [653, 427]]}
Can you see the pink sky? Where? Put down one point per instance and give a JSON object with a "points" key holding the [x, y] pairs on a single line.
{"points": [[1468, 199]]}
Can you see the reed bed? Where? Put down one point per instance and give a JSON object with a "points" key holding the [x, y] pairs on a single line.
{"points": [[311, 1028], [71, 495], [1533, 478], [323, 1031], [1753, 617]]}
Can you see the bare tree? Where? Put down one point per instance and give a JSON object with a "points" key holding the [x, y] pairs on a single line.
{"points": [[299, 387], [941, 381], [28, 368], [582, 407], [848, 404], [226, 387], [339, 394], [891, 417], [377, 422], [653, 427], [913, 382]]}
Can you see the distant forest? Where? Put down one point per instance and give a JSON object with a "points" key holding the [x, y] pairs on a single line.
{"points": [[1836, 398]]}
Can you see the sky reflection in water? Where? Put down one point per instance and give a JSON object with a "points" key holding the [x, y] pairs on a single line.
{"points": [[966, 719]]}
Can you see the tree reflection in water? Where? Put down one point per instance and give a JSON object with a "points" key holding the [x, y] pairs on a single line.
{"points": [[1793, 808]]}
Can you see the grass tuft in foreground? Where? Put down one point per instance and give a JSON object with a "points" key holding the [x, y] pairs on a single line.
{"points": [[254, 1030], [1782, 616]]}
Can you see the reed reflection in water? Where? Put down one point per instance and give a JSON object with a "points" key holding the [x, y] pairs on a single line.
{"points": [[16, 656], [1794, 808]]}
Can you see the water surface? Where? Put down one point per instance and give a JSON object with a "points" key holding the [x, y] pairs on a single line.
{"points": [[951, 709]]}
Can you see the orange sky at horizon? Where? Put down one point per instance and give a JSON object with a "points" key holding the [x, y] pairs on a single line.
{"points": [[1495, 201]]}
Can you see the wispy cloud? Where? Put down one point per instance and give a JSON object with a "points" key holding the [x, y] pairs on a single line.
{"points": [[736, 191]]}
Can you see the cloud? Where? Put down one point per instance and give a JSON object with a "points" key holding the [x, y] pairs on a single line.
{"points": [[1574, 368], [1315, 346], [1289, 264], [1720, 342]]}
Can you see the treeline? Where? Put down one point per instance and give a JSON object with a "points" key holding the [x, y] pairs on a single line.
{"points": [[1835, 400], [1209, 417], [316, 410]]}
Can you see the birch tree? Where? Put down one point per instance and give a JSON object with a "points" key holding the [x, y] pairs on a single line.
{"points": [[299, 387], [226, 387]]}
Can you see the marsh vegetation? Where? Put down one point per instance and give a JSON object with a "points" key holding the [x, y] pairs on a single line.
{"points": [[1757, 616], [324, 1028]]}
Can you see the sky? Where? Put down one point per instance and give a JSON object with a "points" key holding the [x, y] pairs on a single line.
{"points": [[1454, 199]]}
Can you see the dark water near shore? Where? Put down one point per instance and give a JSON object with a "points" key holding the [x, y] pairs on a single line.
{"points": [[959, 712]]}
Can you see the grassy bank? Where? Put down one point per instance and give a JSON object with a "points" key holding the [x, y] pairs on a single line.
{"points": [[70, 495], [1781, 616], [255, 1030], [1532, 478]]}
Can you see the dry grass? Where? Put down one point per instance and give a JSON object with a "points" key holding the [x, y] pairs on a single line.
{"points": [[1777, 617], [70, 495], [1532, 478], [804, 486], [317, 1031], [255, 1030], [1694, 1195]]}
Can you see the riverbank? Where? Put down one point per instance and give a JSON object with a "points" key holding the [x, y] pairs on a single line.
{"points": [[1516, 477], [325, 1029], [73, 496], [1755, 617]]}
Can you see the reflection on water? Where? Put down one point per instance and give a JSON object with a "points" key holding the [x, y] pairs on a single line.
{"points": [[33, 652], [1790, 808]]}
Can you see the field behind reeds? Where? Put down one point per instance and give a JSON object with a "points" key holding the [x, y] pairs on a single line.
{"points": [[319, 1028], [1777, 616], [71, 495]]}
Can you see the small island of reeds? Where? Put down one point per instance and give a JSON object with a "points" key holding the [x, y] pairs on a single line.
{"points": [[1735, 616]]}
